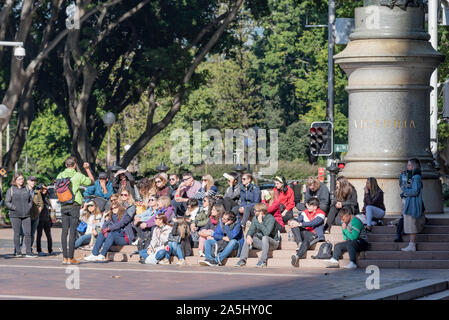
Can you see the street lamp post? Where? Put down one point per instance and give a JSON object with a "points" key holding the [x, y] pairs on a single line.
{"points": [[162, 167], [26, 148], [109, 119]]}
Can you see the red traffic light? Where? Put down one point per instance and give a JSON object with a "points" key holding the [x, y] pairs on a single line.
{"points": [[341, 165], [312, 131], [319, 130]]}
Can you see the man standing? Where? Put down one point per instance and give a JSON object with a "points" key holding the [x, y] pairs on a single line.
{"points": [[70, 212]]}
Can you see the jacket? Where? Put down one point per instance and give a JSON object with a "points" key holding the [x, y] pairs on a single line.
{"points": [[125, 224], [313, 222], [233, 231], [413, 197], [117, 184], [287, 199], [19, 202], [165, 191], [350, 202], [160, 237], [45, 213], [233, 192], [275, 210], [37, 203], [249, 195], [77, 179], [201, 218], [376, 201], [201, 194], [354, 230], [266, 228], [96, 190], [210, 225], [322, 194]]}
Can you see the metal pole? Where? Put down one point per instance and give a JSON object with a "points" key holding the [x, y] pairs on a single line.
{"points": [[332, 168], [433, 31], [26, 149], [108, 157], [117, 158]]}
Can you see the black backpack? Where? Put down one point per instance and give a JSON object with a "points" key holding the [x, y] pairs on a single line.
{"points": [[325, 251]]}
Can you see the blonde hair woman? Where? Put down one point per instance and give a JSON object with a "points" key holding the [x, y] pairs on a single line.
{"points": [[208, 189]]}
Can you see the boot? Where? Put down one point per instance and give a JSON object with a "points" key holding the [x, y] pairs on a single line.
{"points": [[411, 247]]}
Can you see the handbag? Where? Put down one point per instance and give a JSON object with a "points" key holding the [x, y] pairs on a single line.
{"points": [[82, 227], [172, 238]]}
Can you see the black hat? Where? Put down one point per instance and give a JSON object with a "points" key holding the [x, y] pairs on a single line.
{"points": [[103, 175]]}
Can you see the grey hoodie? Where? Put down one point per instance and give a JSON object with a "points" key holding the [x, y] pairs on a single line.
{"points": [[19, 202]]}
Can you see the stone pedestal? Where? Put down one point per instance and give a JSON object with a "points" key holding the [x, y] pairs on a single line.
{"points": [[389, 61]]}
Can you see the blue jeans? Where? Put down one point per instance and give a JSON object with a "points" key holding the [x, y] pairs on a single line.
{"points": [[113, 238], [161, 254], [373, 212], [208, 245], [143, 253], [83, 240]]}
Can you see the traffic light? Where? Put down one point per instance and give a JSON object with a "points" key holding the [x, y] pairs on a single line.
{"points": [[321, 138]]}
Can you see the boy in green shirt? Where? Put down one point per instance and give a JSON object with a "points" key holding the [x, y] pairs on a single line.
{"points": [[70, 213], [355, 240]]}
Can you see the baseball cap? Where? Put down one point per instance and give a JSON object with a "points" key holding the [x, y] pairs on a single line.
{"points": [[103, 175]]}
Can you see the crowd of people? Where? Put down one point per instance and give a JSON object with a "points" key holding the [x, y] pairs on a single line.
{"points": [[169, 215]]}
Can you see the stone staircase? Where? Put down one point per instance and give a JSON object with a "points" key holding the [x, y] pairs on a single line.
{"points": [[432, 246]]}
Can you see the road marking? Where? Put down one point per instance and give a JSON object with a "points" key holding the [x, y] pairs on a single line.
{"points": [[166, 271], [4, 296]]}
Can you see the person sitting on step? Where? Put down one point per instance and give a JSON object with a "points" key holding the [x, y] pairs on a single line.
{"points": [[307, 228], [355, 240], [264, 233], [373, 202]]}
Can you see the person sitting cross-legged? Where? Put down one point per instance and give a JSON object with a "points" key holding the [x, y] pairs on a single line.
{"points": [[355, 240], [228, 236], [264, 234], [307, 228]]}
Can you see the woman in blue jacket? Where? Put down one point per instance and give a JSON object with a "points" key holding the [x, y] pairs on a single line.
{"points": [[117, 231], [413, 209]]}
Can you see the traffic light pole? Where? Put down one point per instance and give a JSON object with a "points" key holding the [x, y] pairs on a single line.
{"points": [[332, 168]]}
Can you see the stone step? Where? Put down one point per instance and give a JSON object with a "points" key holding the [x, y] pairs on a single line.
{"points": [[405, 264], [406, 292], [442, 295], [419, 238], [430, 221], [401, 255], [428, 229], [396, 246]]}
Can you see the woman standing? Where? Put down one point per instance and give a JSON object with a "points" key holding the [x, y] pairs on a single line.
{"points": [[45, 223], [373, 202], [19, 202], [414, 219], [345, 196]]}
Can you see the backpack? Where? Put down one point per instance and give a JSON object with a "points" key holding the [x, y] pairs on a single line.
{"points": [[325, 251], [63, 189]]}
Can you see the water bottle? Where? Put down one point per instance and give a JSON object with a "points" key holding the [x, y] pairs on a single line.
{"points": [[290, 236]]}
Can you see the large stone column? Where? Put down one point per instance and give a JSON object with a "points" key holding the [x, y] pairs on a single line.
{"points": [[389, 61]]}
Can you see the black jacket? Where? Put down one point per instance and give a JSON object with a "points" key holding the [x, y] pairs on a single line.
{"points": [[377, 200], [19, 202]]}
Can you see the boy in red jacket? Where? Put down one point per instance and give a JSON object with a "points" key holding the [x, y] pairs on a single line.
{"points": [[307, 228]]}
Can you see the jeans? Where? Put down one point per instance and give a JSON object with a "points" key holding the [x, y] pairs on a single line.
{"points": [[70, 217], [208, 245], [113, 238], [25, 224], [174, 248], [46, 227], [264, 244], [352, 246], [83, 240], [34, 224], [373, 212], [306, 238]]}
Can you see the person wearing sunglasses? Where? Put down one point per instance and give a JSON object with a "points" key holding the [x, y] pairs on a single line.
{"points": [[188, 188], [124, 180], [208, 189], [161, 185], [148, 216], [249, 196], [286, 198], [173, 181], [119, 230]]}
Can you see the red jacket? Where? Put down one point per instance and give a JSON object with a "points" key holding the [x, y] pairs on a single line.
{"points": [[275, 211], [287, 199]]}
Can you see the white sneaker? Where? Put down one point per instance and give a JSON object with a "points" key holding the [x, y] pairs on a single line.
{"points": [[332, 263], [411, 247], [350, 265], [201, 253], [100, 258], [181, 263], [135, 242], [91, 257], [164, 261]]}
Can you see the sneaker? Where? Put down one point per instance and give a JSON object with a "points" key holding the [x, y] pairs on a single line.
{"points": [[18, 255], [369, 228], [411, 247], [332, 263], [30, 255], [164, 261], [295, 260], [41, 254], [135, 242], [182, 262], [208, 262], [240, 263], [201, 253], [65, 261], [350, 265], [73, 261], [380, 223], [100, 258], [90, 257], [261, 264]]}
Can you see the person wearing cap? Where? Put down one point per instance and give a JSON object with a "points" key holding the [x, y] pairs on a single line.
{"points": [[102, 188], [231, 198], [286, 198], [44, 222], [36, 209]]}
